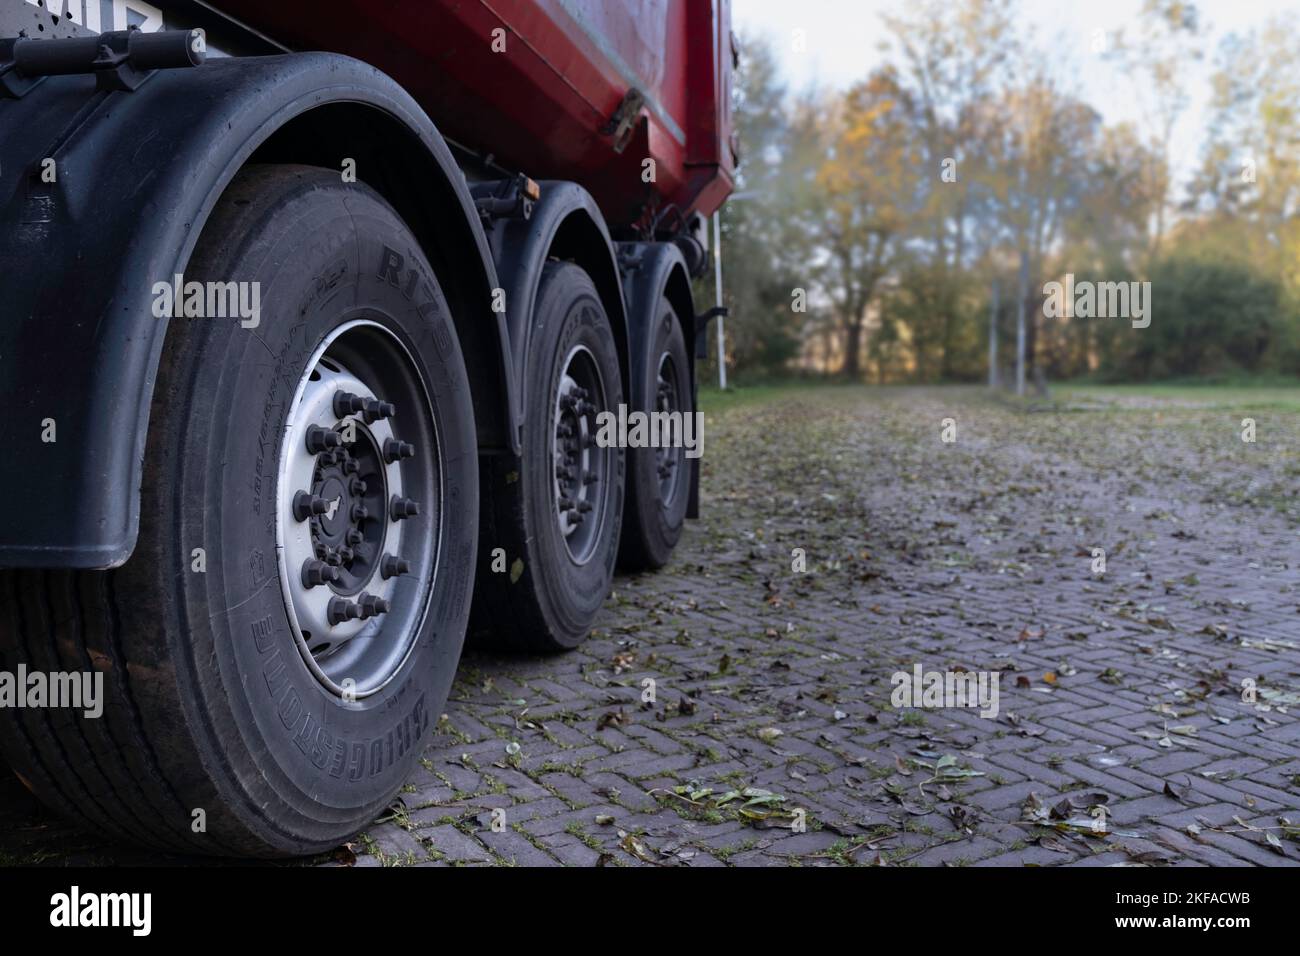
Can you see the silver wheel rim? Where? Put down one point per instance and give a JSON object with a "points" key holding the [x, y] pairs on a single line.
{"points": [[383, 557], [581, 467], [669, 457]]}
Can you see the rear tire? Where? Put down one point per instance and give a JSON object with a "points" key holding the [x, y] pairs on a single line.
{"points": [[543, 580], [217, 698], [658, 479]]}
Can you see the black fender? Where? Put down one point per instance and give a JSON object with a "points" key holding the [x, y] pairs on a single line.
{"points": [[565, 224], [652, 271], [137, 175]]}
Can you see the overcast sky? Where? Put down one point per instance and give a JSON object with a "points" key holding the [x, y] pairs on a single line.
{"points": [[843, 39]]}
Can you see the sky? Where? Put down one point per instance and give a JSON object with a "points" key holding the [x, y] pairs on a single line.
{"points": [[843, 39]]}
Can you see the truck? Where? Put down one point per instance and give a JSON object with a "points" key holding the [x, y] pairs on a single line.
{"points": [[309, 312]]}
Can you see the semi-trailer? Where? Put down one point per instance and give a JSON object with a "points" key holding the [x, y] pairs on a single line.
{"points": [[308, 314]]}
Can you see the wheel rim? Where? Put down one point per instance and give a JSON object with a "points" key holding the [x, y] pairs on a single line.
{"points": [[582, 467], [357, 523], [668, 458]]}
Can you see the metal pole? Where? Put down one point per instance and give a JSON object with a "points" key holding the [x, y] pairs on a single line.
{"points": [[717, 281], [993, 338], [1020, 324]]}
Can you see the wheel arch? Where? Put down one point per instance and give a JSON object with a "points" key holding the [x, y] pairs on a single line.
{"points": [[653, 271], [565, 224], [138, 176], [426, 188]]}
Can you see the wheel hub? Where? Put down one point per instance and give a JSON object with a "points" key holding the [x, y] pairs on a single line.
{"points": [[349, 535]]}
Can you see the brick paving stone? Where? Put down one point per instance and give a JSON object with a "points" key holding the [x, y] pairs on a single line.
{"points": [[396, 845], [455, 846], [513, 848], [975, 554]]}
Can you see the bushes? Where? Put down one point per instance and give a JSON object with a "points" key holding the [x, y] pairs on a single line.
{"points": [[1209, 318]]}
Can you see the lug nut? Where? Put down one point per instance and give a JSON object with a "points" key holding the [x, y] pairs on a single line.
{"points": [[346, 554], [391, 566], [584, 507], [372, 604], [375, 410], [345, 403], [322, 439], [341, 610], [400, 508], [332, 558], [354, 537], [318, 572], [350, 466], [356, 485], [305, 504], [360, 512], [394, 449]]}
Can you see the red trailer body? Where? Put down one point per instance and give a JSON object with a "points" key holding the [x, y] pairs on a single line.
{"points": [[538, 84]]}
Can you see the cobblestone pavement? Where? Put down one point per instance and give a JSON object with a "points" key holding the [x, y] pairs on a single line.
{"points": [[773, 739]]}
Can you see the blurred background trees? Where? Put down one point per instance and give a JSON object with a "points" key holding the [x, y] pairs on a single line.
{"points": [[874, 222]]}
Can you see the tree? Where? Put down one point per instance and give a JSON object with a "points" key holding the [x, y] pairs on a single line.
{"points": [[866, 184], [1158, 53]]}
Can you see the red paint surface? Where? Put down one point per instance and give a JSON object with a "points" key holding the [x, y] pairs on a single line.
{"points": [[540, 106]]}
